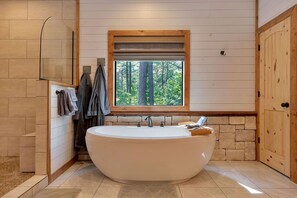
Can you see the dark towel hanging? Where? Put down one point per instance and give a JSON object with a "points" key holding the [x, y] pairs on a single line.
{"points": [[81, 120], [99, 105]]}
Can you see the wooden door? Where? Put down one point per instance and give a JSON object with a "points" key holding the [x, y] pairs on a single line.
{"points": [[275, 97]]}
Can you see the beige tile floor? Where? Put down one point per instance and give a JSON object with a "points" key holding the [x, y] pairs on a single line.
{"points": [[217, 180]]}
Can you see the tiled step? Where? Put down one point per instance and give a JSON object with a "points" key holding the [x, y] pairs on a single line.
{"points": [[29, 188], [27, 153]]}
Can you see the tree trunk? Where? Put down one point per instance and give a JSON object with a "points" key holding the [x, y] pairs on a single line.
{"points": [[130, 80], [127, 77], [122, 79], [167, 70], [142, 83], [151, 83], [130, 77], [162, 78]]}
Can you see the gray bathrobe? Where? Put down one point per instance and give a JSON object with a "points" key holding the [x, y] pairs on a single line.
{"points": [[99, 105], [81, 120]]}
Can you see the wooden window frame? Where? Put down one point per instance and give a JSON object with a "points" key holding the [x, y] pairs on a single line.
{"points": [[186, 70]]}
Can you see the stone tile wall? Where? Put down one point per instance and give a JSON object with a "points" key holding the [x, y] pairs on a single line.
{"points": [[20, 25], [235, 134]]}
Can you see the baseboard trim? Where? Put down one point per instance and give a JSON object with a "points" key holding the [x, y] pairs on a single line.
{"points": [[61, 170]]}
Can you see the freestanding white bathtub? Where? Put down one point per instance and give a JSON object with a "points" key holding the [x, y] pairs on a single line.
{"points": [[127, 153]]}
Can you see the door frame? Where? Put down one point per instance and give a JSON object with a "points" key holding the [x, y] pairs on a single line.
{"points": [[292, 12]]}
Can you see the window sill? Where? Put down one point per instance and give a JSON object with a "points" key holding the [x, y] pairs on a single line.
{"points": [[125, 109], [185, 113]]}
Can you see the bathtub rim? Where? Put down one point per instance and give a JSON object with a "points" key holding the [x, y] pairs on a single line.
{"points": [[102, 137]]}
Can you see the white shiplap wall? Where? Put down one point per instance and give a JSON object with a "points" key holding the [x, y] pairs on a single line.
{"points": [[217, 83], [269, 9], [62, 133]]}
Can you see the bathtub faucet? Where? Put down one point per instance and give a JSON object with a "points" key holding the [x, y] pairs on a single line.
{"points": [[149, 121]]}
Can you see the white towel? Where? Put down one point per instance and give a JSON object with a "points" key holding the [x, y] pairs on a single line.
{"points": [[72, 99], [191, 126], [73, 95]]}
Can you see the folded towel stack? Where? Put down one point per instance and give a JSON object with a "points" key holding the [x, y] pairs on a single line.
{"points": [[193, 126], [197, 128], [67, 102]]}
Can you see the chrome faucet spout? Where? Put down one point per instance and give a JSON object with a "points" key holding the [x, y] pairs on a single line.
{"points": [[149, 121]]}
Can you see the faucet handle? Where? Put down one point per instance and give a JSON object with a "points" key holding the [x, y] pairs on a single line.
{"points": [[162, 123]]}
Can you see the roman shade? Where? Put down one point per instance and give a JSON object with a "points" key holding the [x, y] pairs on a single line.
{"points": [[149, 47]]}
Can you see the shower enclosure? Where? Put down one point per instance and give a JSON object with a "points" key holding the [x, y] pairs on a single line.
{"points": [[57, 52]]}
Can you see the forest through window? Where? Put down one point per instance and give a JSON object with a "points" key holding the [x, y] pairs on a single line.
{"points": [[149, 83]]}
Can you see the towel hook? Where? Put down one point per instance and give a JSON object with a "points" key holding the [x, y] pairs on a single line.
{"points": [[101, 61]]}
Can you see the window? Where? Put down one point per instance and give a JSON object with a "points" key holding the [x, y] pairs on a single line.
{"points": [[149, 83], [148, 70]]}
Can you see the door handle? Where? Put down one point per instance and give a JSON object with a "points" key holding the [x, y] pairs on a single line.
{"points": [[285, 105]]}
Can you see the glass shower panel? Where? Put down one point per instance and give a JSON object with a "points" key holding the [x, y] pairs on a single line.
{"points": [[57, 52]]}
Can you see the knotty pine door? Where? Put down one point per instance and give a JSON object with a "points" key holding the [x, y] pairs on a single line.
{"points": [[275, 97]]}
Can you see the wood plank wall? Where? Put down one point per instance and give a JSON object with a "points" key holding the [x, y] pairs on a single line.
{"points": [[270, 9], [61, 133], [218, 83]]}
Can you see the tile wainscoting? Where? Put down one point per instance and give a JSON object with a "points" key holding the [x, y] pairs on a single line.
{"points": [[235, 134]]}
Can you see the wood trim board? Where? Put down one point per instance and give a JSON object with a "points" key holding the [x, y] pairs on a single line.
{"points": [[77, 44], [62, 84], [61, 170], [186, 113], [49, 83], [151, 33], [257, 73], [293, 97]]}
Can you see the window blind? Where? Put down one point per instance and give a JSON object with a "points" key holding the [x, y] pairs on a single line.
{"points": [[149, 48]]}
